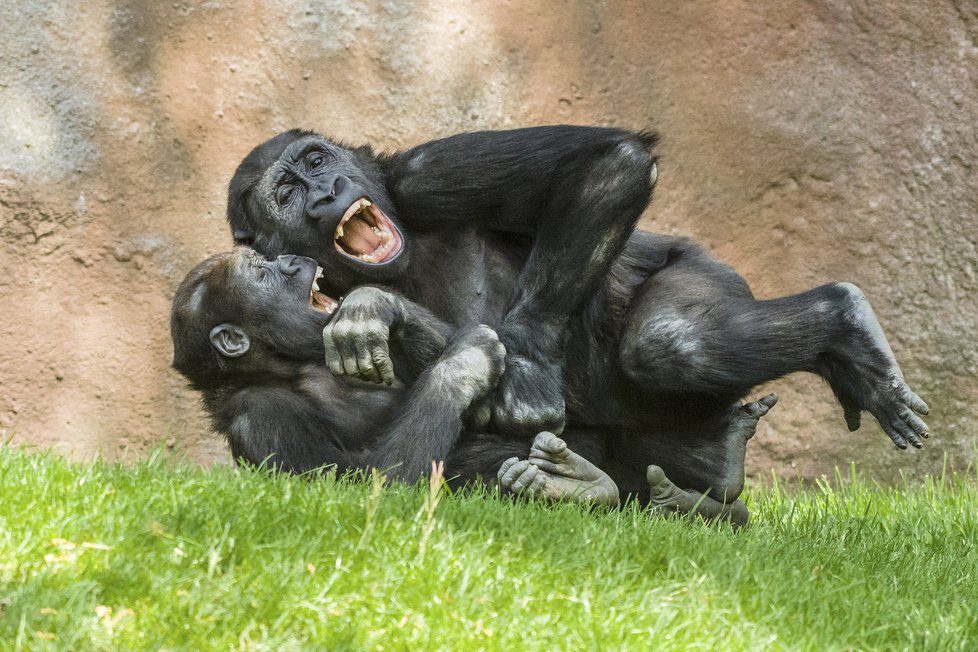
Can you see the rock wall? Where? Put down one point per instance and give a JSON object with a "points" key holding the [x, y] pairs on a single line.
{"points": [[804, 142]]}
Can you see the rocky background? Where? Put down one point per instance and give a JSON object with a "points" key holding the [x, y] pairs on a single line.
{"points": [[804, 142]]}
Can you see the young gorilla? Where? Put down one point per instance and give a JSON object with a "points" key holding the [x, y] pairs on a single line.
{"points": [[669, 336], [571, 195], [247, 334]]}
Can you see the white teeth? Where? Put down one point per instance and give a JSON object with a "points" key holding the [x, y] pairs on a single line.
{"points": [[354, 209]]}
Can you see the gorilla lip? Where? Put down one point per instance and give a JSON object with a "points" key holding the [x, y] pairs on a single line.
{"points": [[317, 299], [366, 234]]}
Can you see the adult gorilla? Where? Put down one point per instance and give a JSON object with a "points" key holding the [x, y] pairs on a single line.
{"points": [[669, 336]]}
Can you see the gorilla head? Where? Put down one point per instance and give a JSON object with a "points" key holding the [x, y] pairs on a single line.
{"points": [[301, 193], [238, 314]]}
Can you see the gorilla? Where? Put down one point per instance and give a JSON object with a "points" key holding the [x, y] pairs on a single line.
{"points": [[247, 333], [536, 217], [530, 231]]}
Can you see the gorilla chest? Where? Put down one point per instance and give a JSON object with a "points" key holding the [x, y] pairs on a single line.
{"points": [[466, 278]]}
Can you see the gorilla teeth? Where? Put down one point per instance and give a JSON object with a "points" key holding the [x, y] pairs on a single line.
{"points": [[371, 239], [355, 208]]}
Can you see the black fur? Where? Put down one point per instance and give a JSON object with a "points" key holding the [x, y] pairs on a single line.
{"points": [[556, 205], [278, 404], [530, 230]]}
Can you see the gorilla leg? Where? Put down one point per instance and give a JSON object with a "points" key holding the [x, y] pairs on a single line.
{"points": [[694, 326], [593, 200]]}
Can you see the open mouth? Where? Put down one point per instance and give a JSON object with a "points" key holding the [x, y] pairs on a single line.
{"points": [[317, 299], [366, 234]]}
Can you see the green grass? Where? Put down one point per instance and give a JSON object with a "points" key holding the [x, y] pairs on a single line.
{"points": [[163, 555]]}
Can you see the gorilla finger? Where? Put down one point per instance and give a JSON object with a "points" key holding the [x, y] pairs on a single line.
{"points": [[333, 358], [513, 472], [538, 484], [853, 418], [544, 465], [365, 362], [654, 475], [916, 403], [916, 423], [761, 406], [523, 481], [893, 434], [383, 364], [902, 427], [906, 432], [350, 367], [349, 355]]}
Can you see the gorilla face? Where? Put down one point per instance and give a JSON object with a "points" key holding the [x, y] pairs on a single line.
{"points": [[301, 193], [277, 290], [237, 311]]}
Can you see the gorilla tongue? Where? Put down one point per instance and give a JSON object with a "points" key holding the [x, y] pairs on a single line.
{"points": [[358, 237]]}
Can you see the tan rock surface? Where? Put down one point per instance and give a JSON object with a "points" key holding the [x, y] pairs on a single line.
{"points": [[804, 142]]}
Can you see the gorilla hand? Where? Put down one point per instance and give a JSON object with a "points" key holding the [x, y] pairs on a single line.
{"points": [[357, 337], [471, 366], [529, 397]]}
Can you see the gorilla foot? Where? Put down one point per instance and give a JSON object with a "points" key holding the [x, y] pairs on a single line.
{"points": [[729, 483], [668, 500], [870, 378], [555, 472]]}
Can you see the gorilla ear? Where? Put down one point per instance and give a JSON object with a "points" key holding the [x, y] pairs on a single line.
{"points": [[243, 237], [230, 341]]}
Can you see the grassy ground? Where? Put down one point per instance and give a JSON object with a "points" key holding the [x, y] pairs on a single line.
{"points": [[100, 556]]}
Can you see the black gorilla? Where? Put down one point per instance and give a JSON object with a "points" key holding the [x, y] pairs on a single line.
{"points": [[535, 216], [667, 336], [246, 333]]}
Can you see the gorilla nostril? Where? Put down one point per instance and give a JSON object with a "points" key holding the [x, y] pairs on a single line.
{"points": [[289, 265]]}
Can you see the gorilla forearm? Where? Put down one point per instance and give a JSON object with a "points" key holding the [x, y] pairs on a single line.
{"points": [[429, 420], [577, 190]]}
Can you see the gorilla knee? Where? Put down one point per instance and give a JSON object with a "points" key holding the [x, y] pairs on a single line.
{"points": [[665, 349]]}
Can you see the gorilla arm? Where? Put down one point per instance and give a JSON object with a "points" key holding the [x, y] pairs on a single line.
{"points": [[579, 191], [280, 428], [428, 423], [370, 328]]}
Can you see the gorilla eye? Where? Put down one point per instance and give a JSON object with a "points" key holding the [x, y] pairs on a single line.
{"points": [[315, 160], [284, 194]]}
